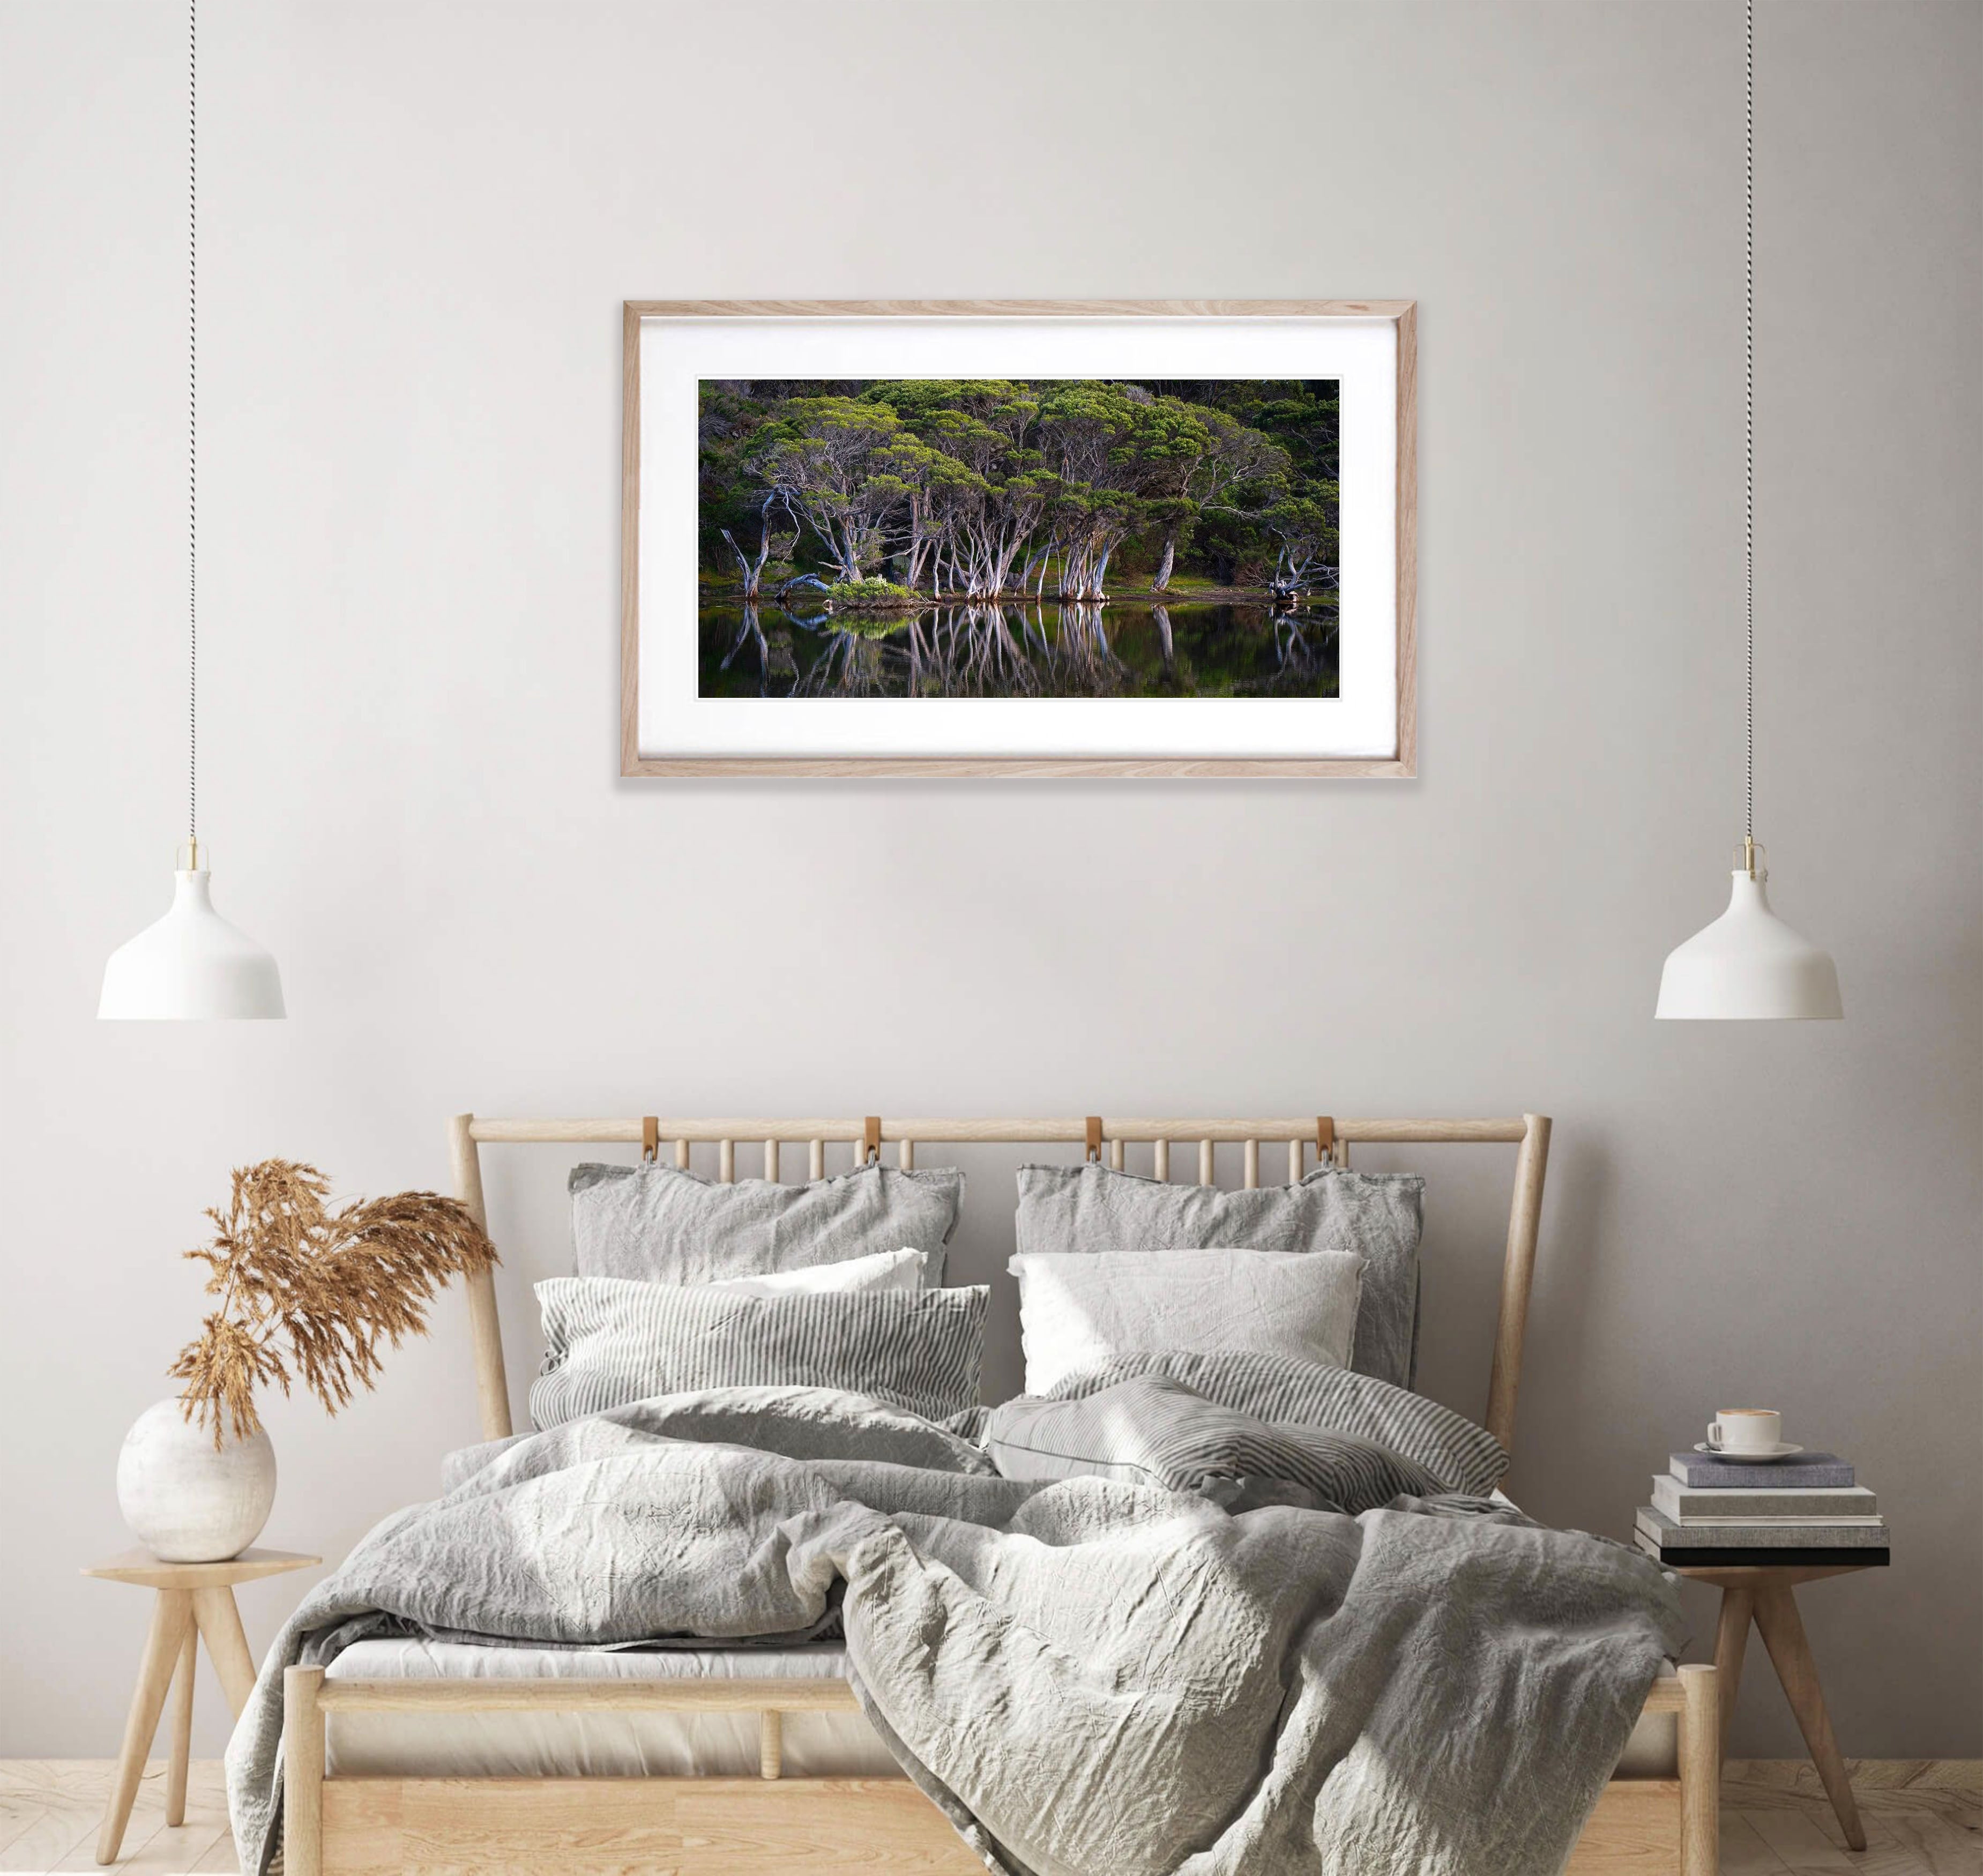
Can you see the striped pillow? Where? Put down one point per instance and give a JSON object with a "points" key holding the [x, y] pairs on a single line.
{"points": [[1151, 1431], [611, 1340], [1462, 1456]]}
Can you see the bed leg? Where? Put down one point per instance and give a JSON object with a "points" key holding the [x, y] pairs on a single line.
{"points": [[770, 1743], [1699, 1772], [303, 1772]]}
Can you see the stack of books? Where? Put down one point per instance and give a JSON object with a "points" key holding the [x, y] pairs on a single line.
{"points": [[1710, 1513]]}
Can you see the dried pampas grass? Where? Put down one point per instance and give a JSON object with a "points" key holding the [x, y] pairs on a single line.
{"points": [[313, 1295]]}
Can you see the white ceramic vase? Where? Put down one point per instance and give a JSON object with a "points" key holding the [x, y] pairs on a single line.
{"points": [[187, 1501]]}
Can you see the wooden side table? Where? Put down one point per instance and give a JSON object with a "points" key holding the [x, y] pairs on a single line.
{"points": [[194, 1600], [1765, 1594]]}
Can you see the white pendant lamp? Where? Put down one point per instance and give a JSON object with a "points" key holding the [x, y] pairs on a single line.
{"points": [[1749, 966], [192, 965]]}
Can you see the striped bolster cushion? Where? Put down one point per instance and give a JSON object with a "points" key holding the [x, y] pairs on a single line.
{"points": [[611, 1340], [1462, 1457], [1151, 1431]]}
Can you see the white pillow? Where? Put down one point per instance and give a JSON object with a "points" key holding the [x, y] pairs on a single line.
{"points": [[881, 1270], [1078, 1309]]}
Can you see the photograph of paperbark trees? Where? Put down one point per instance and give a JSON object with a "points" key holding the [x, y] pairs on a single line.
{"points": [[1054, 537]]}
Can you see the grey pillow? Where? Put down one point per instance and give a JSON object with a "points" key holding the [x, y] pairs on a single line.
{"points": [[611, 1340], [665, 1226], [1151, 1430], [1462, 1456], [1376, 1216]]}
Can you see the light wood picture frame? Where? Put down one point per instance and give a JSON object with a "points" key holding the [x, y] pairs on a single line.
{"points": [[879, 693]]}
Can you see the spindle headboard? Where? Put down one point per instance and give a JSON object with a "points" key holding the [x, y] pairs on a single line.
{"points": [[1326, 1137]]}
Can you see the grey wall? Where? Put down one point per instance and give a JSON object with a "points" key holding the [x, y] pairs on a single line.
{"points": [[419, 223]]}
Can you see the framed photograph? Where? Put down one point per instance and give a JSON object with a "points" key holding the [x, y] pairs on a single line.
{"points": [[1021, 538]]}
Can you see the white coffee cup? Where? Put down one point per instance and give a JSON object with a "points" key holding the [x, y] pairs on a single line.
{"points": [[1745, 1430]]}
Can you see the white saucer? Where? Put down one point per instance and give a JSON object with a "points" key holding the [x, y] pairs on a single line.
{"points": [[1755, 1456]]}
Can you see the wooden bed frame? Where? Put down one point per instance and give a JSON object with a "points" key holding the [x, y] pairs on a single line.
{"points": [[772, 1826]]}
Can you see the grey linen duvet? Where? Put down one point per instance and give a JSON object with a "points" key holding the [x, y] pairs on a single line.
{"points": [[1091, 1678]]}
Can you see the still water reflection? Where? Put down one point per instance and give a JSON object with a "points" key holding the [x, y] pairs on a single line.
{"points": [[1118, 648]]}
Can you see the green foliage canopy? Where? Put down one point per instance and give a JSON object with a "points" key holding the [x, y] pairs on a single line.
{"points": [[974, 487]]}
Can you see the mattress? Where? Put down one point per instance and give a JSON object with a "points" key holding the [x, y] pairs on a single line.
{"points": [[453, 1744]]}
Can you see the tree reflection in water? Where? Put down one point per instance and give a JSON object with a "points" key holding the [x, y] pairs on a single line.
{"points": [[749, 631], [1039, 649]]}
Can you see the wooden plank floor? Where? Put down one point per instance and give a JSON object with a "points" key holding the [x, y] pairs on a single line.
{"points": [[52, 1809], [1923, 1817]]}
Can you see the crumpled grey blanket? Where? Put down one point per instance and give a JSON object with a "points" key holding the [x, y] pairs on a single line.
{"points": [[1090, 1678]]}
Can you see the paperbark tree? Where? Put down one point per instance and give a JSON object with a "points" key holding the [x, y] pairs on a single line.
{"points": [[833, 460], [753, 569], [1304, 525]]}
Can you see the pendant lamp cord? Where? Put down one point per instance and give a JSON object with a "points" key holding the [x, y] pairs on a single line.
{"points": [[192, 429], [1749, 423]]}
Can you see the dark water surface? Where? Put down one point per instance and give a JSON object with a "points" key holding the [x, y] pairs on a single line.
{"points": [[1119, 648]]}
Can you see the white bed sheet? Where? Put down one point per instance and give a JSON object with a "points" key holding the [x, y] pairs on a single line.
{"points": [[663, 1745], [592, 1745]]}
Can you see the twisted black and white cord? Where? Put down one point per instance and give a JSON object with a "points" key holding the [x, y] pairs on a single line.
{"points": [[1749, 423], [193, 424]]}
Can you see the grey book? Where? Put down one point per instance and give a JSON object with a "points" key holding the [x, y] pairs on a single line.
{"points": [[1778, 1524], [1670, 1536], [1808, 1471], [1686, 1502]]}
